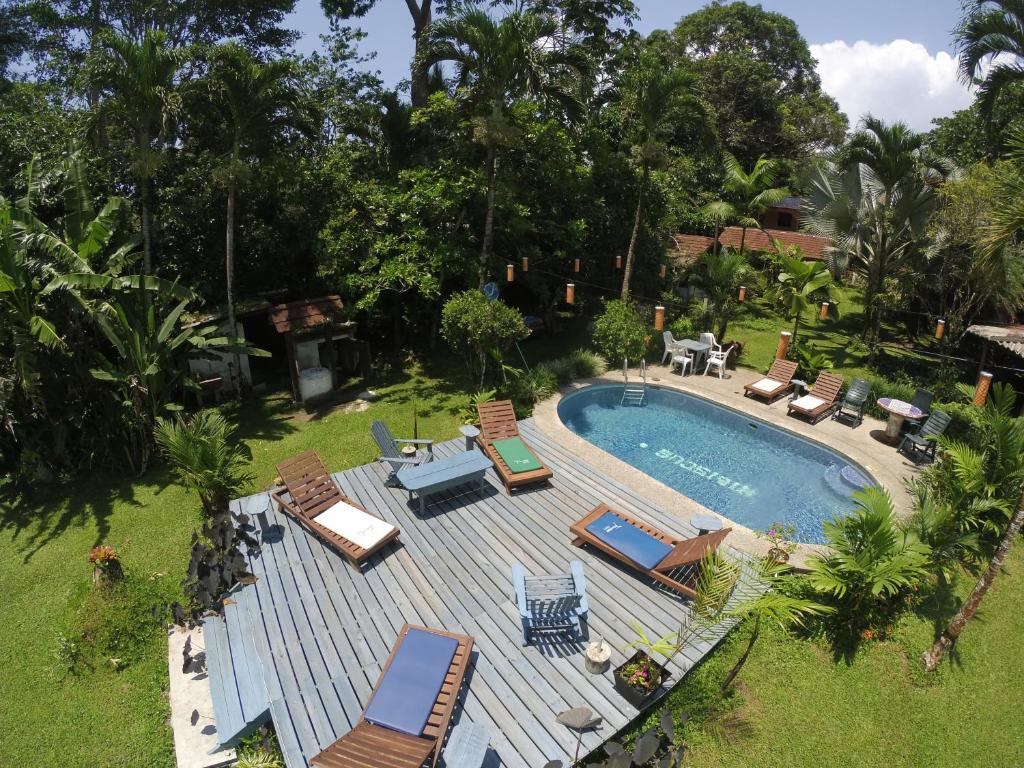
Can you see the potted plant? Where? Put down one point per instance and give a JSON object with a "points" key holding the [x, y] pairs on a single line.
{"points": [[107, 566], [641, 675], [780, 541]]}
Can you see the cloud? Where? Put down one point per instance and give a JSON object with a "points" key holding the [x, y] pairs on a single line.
{"points": [[895, 81]]}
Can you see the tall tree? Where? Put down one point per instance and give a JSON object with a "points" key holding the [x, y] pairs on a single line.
{"points": [[422, 13], [261, 98], [800, 286], [752, 193], [990, 39], [653, 97], [141, 79], [874, 202], [758, 75], [499, 63]]}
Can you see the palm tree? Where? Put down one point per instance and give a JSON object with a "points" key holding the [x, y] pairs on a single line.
{"points": [[1005, 469], [260, 99], [498, 63], [991, 35], [870, 560], [801, 285], [653, 98], [874, 201], [141, 78], [753, 192], [720, 278], [1006, 216]]}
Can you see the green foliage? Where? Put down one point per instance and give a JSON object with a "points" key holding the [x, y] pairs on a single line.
{"points": [[468, 413], [258, 758], [870, 565], [720, 277], [549, 376], [810, 361], [621, 333], [481, 330], [800, 287], [991, 39], [205, 457], [683, 327]]}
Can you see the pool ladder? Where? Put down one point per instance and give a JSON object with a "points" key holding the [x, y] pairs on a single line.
{"points": [[634, 394]]}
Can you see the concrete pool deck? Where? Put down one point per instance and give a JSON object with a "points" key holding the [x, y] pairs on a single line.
{"points": [[889, 468]]}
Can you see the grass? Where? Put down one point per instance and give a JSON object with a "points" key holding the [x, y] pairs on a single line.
{"points": [[795, 706], [800, 707]]}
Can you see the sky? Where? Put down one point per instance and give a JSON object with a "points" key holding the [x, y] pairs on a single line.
{"points": [[893, 58]]}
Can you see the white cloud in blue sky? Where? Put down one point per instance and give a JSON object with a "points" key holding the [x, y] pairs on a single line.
{"points": [[899, 80]]}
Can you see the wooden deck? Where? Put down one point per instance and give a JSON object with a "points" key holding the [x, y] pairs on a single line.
{"points": [[321, 630]]}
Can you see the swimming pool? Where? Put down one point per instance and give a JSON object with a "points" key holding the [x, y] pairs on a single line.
{"points": [[740, 467]]}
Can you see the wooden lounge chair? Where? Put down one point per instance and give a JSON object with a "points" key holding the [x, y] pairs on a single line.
{"points": [[406, 719], [498, 423], [550, 603], [318, 504], [824, 398], [776, 383], [672, 562]]}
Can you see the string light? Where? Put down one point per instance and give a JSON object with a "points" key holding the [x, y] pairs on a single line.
{"points": [[570, 293], [618, 262], [743, 293], [576, 266], [659, 318], [940, 329], [823, 314], [526, 264], [510, 273]]}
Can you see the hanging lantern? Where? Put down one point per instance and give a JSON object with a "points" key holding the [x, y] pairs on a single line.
{"points": [[743, 293], [526, 264], [982, 387], [659, 318], [576, 266], [570, 293], [780, 351], [664, 271], [940, 329], [823, 313], [618, 262], [510, 273]]}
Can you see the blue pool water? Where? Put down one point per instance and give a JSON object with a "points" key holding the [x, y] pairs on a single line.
{"points": [[738, 466]]}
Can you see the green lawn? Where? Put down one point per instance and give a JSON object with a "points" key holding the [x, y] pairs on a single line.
{"points": [[795, 706], [800, 707]]}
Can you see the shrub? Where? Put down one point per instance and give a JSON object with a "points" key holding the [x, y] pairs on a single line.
{"points": [[548, 377], [586, 364], [621, 333], [480, 329], [561, 369], [683, 327]]}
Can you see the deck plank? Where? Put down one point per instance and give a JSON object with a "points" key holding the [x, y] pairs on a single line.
{"points": [[320, 629]]}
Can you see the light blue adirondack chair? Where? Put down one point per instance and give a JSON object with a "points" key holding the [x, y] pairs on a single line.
{"points": [[391, 455], [550, 603]]}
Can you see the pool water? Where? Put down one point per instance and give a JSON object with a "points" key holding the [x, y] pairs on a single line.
{"points": [[738, 466]]}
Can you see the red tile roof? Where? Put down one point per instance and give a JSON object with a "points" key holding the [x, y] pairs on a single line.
{"points": [[308, 313], [689, 248]]}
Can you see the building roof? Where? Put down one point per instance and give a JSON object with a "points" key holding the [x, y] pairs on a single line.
{"points": [[1009, 337], [307, 313], [689, 248], [790, 204]]}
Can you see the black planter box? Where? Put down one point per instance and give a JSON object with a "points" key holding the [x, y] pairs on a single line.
{"points": [[634, 695]]}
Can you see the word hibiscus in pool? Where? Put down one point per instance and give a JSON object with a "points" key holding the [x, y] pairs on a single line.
{"points": [[706, 472]]}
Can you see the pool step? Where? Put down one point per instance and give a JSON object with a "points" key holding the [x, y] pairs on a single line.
{"points": [[846, 480], [633, 395]]}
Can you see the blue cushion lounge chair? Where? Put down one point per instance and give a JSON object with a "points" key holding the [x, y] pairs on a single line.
{"points": [[671, 562], [440, 475], [406, 720], [390, 454], [919, 442], [550, 603]]}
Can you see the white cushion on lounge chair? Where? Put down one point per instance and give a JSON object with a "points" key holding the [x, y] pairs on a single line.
{"points": [[808, 402], [361, 528], [766, 385]]}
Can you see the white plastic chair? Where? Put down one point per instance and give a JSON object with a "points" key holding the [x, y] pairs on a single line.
{"points": [[709, 339], [670, 346], [683, 360], [717, 360]]}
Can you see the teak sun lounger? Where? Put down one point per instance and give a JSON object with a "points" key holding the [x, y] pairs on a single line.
{"points": [[406, 719], [776, 383], [318, 504], [824, 398], [671, 562], [497, 425]]}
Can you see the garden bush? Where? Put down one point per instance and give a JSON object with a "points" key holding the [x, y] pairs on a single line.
{"points": [[480, 329], [620, 332], [548, 377], [683, 327]]}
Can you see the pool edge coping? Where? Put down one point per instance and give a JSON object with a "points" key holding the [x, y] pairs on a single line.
{"points": [[545, 416]]}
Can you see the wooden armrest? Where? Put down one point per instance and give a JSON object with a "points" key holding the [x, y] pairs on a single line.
{"points": [[414, 441], [519, 586], [397, 460]]}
